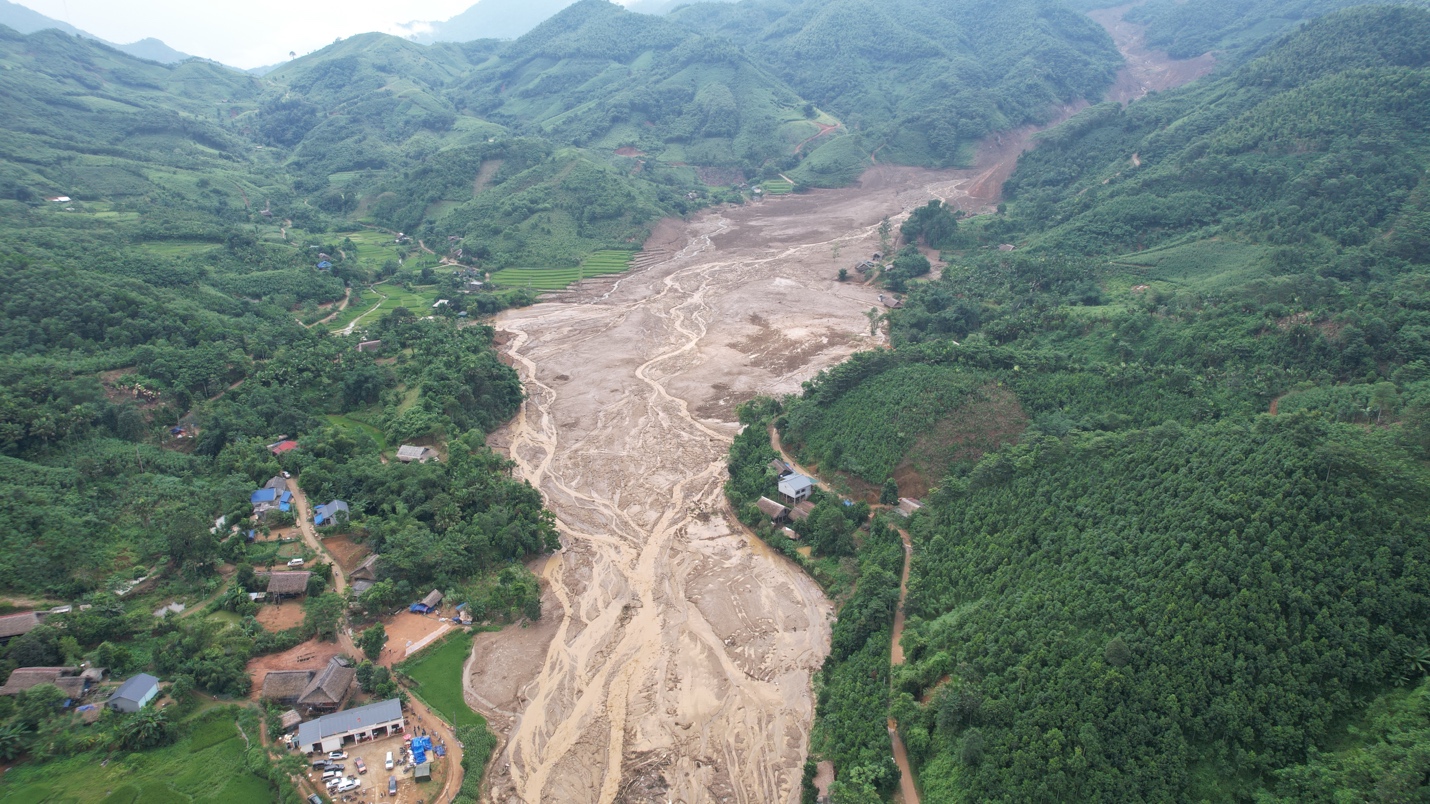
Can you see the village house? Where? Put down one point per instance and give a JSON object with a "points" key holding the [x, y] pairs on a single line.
{"points": [[369, 346], [332, 732], [287, 584], [282, 446], [328, 514], [133, 694], [801, 511], [13, 625], [309, 691], [796, 488], [908, 506], [774, 511], [429, 603], [407, 453], [274, 496], [71, 681]]}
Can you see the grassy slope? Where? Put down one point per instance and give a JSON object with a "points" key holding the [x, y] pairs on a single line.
{"points": [[206, 766]]}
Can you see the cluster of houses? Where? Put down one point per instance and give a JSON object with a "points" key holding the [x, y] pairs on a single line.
{"points": [[795, 489], [77, 683], [309, 691], [274, 496]]}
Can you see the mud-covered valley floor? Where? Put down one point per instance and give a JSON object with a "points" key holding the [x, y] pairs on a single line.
{"points": [[673, 661], [675, 656]]}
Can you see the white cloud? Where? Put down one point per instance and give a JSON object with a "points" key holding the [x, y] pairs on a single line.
{"points": [[243, 34]]}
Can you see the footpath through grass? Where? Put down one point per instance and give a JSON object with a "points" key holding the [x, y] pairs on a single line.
{"points": [[207, 765]]}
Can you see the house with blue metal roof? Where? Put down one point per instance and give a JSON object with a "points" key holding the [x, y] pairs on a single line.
{"points": [[328, 514]]}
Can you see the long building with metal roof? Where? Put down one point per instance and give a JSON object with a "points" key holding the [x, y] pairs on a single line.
{"points": [[332, 732]]}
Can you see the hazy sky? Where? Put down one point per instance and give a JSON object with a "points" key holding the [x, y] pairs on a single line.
{"points": [[251, 33]]}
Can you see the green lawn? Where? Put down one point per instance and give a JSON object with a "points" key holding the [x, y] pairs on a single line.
{"points": [[348, 423], [205, 766], [438, 675]]}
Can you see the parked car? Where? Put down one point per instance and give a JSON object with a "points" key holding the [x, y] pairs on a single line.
{"points": [[315, 799], [333, 754], [361, 766], [392, 785], [298, 562], [320, 764], [350, 783], [389, 760]]}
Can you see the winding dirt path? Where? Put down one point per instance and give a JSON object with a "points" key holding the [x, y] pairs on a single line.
{"points": [[907, 789]]}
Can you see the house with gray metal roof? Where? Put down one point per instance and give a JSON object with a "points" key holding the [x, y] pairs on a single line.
{"points": [[796, 487], [133, 694], [328, 514], [332, 732]]}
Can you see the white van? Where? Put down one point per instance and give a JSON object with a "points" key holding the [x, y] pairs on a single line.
{"points": [[389, 760], [296, 562]]}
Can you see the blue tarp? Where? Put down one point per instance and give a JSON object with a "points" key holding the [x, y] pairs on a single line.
{"points": [[325, 264], [285, 507], [440, 750], [263, 496], [418, 608], [420, 747]]}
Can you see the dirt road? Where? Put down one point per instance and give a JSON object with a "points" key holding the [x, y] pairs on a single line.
{"points": [[310, 537]]}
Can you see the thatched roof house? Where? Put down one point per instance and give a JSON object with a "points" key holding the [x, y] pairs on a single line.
{"points": [[291, 719], [13, 625], [328, 688], [772, 509], [288, 583], [366, 571], [67, 679], [801, 511], [433, 599], [284, 686]]}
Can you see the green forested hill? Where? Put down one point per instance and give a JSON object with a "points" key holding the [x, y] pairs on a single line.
{"points": [[1236, 28], [600, 76], [923, 79], [1199, 574]]}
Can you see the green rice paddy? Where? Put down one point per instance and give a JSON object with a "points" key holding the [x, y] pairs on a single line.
{"points": [[598, 264], [205, 766], [438, 675], [777, 187]]}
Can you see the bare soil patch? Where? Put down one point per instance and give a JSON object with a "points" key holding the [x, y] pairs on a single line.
{"points": [[1147, 70], [282, 616], [403, 630], [504, 663], [311, 655], [348, 554]]}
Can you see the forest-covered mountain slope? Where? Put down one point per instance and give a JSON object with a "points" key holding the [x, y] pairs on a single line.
{"points": [[597, 75], [24, 20], [1198, 575], [1234, 29], [923, 79]]}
